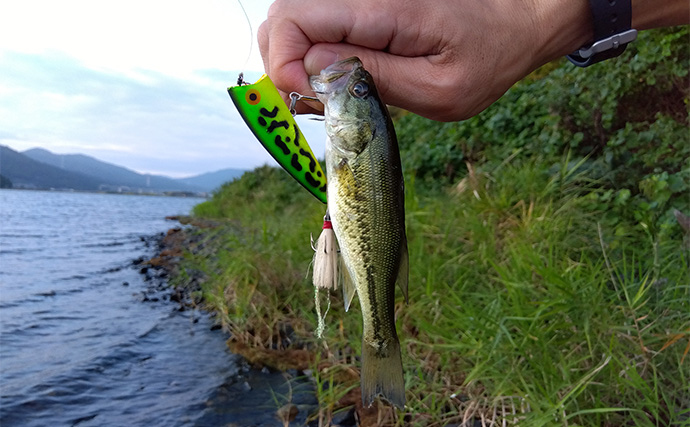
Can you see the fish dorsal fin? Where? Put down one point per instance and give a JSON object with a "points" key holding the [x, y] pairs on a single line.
{"points": [[349, 289], [404, 271]]}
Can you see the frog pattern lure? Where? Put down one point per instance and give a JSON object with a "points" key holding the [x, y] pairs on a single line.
{"points": [[271, 122]]}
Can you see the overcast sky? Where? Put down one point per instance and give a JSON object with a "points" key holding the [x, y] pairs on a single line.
{"points": [[141, 84]]}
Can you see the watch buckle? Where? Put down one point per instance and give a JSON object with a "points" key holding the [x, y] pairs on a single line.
{"points": [[609, 43]]}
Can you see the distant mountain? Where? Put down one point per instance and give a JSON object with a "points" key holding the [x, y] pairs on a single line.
{"points": [[26, 172], [212, 180], [109, 174], [41, 169]]}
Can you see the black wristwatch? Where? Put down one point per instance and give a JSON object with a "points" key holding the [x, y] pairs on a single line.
{"points": [[612, 32]]}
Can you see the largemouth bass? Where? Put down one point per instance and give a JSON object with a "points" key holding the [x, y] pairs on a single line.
{"points": [[367, 207]]}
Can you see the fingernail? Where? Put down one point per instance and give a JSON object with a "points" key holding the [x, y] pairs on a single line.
{"points": [[317, 59]]}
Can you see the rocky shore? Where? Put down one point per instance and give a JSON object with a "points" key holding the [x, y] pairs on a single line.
{"points": [[296, 359]]}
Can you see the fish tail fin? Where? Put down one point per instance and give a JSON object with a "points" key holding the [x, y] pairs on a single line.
{"points": [[382, 374]]}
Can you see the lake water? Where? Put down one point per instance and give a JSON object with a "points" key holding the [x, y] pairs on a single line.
{"points": [[78, 344]]}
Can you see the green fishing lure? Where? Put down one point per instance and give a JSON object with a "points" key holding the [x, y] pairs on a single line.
{"points": [[270, 120]]}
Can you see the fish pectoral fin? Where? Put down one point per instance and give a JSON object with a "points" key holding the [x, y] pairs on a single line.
{"points": [[347, 175], [404, 270], [349, 289]]}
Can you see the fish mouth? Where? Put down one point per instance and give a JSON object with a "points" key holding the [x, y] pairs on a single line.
{"points": [[331, 78]]}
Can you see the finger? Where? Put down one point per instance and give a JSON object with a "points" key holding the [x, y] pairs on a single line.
{"points": [[296, 25], [262, 38], [287, 43], [264, 43]]}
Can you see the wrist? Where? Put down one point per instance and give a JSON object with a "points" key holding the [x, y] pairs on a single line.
{"points": [[562, 27]]}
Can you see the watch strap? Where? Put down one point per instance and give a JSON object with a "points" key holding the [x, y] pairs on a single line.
{"points": [[612, 20]]}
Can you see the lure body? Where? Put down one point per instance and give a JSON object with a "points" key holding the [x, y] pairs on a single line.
{"points": [[269, 119]]}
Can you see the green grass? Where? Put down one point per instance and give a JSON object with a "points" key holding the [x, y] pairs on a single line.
{"points": [[543, 290], [523, 307], [522, 300]]}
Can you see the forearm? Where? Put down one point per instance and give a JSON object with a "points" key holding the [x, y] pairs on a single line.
{"points": [[564, 26], [648, 14]]}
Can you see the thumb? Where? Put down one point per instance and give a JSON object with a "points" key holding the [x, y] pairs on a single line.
{"points": [[403, 81], [320, 56]]}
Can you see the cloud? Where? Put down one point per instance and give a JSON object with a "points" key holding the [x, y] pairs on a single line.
{"points": [[138, 84], [171, 37], [142, 119]]}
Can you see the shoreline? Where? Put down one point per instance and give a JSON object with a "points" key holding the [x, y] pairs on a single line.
{"points": [[123, 193], [292, 354], [168, 262], [168, 254]]}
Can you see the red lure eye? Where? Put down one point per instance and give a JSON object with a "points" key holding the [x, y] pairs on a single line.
{"points": [[252, 97]]}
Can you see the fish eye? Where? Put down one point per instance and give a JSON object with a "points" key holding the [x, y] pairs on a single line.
{"points": [[360, 89]]}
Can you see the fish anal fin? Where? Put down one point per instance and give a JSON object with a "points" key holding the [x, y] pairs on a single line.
{"points": [[404, 270], [349, 289]]}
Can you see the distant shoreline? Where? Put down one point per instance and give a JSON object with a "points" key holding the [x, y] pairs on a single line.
{"points": [[129, 193]]}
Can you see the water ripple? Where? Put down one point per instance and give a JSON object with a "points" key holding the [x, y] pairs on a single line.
{"points": [[79, 348]]}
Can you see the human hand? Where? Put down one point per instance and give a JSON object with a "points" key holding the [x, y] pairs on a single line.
{"points": [[443, 59]]}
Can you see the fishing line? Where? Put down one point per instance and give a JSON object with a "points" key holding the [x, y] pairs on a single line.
{"points": [[251, 34]]}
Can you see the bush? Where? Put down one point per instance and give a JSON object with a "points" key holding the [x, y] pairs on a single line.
{"points": [[628, 116]]}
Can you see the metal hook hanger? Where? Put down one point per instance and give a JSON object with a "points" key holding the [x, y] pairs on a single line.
{"points": [[294, 97]]}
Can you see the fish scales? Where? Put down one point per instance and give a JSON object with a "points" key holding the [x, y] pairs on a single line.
{"points": [[366, 204], [368, 252]]}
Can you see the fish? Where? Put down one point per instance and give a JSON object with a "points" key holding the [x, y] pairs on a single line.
{"points": [[366, 202]]}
